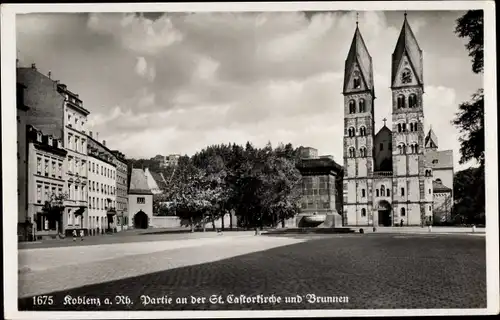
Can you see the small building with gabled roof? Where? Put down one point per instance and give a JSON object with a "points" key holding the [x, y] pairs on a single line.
{"points": [[140, 199]]}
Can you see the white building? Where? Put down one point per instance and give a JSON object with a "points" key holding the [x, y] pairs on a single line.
{"points": [[102, 192], [75, 143], [140, 200]]}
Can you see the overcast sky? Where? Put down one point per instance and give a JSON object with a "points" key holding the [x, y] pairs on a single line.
{"points": [[175, 83]]}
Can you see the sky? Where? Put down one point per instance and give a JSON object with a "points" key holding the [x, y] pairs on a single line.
{"points": [[174, 83]]}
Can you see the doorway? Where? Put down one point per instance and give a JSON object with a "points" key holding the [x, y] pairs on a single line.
{"points": [[384, 213], [384, 218], [141, 220]]}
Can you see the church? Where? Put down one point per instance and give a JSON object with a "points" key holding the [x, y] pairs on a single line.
{"points": [[396, 176]]}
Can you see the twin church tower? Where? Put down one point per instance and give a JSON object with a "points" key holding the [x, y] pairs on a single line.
{"points": [[389, 176]]}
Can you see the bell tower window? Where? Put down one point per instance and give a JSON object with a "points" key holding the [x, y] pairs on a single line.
{"points": [[401, 101], [362, 105], [412, 101], [352, 107]]}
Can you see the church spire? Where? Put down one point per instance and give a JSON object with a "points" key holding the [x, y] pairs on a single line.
{"points": [[358, 56], [407, 47]]}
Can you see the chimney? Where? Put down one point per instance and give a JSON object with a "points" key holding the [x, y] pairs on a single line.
{"points": [[33, 66], [49, 74], [90, 133], [104, 142], [97, 136]]}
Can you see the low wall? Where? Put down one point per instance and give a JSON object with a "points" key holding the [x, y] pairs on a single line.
{"points": [[176, 222]]}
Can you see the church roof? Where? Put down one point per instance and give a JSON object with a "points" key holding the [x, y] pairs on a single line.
{"points": [[358, 53], [384, 128], [407, 44], [438, 186], [139, 182], [439, 159], [431, 137]]}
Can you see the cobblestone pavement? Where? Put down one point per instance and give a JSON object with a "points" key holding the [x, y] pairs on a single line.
{"points": [[374, 271]]}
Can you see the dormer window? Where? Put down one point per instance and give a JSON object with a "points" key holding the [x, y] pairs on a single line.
{"points": [[435, 161], [50, 141], [59, 144], [39, 137]]}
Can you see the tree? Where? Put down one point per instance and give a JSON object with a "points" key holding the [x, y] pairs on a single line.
{"points": [[470, 26], [470, 121], [468, 190], [469, 185], [54, 208]]}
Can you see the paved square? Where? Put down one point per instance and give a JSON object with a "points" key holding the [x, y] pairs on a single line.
{"points": [[381, 271]]}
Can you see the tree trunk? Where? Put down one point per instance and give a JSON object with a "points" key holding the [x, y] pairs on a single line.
{"points": [[204, 222], [222, 221], [230, 220], [213, 222], [191, 224]]}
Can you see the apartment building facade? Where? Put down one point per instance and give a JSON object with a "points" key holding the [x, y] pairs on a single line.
{"points": [[45, 182], [121, 190], [102, 171]]}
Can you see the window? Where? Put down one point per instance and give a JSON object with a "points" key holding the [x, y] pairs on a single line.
{"points": [[70, 141], [97, 168], [377, 193], [435, 161], [402, 191], [351, 132], [39, 193], [388, 192], [39, 165], [430, 208], [438, 180], [381, 146], [47, 194], [60, 190], [361, 105], [356, 83], [93, 167], [69, 119], [76, 195], [363, 193], [430, 191], [77, 144], [401, 101], [77, 165], [59, 170], [382, 191], [90, 202], [141, 200], [403, 212], [412, 101], [363, 212], [352, 107], [362, 152], [351, 152], [400, 127], [53, 168], [46, 170], [404, 127], [362, 131], [412, 148], [98, 207]]}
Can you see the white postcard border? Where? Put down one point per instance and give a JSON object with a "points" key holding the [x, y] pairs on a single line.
{"points": [[9, 163]]}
